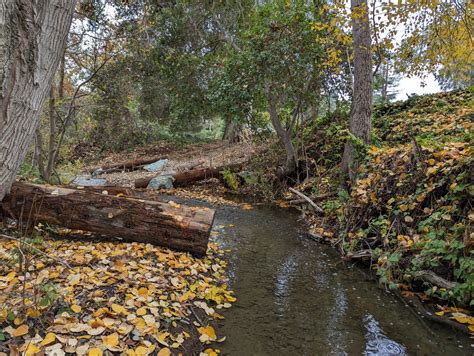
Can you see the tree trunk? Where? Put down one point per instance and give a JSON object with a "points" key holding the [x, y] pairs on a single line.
{"points": [[32, 38], [232, 132], [52, 134], [175, 226], [360, 119], [284, 135]]}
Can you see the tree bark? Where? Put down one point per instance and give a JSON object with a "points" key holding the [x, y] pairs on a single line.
{"points": [[232, 132], [175, 226], [284, 136], [360, 119], [32, 38]]}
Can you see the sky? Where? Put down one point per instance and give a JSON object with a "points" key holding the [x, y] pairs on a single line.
{"points": [[415, 85]]}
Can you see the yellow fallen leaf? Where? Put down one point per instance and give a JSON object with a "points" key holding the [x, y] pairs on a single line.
{"points": [[48, 339], [95, 351], [143, 291], [164, 352], [33, 313], [119, 309], [31, 350], [210, 352], [20, 331], [172, 203], [141, 311], [208, 331], [462, 319], [141, 351], [111, 340], [76, 308]]}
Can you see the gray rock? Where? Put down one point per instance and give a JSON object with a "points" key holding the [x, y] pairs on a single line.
{"points": [[161, 181], [157, 166]]}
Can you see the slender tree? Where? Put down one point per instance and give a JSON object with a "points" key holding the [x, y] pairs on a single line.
{"points": [[360, 119], [32, 39]]}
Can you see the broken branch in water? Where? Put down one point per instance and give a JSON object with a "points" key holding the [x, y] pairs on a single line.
{"points": [[311, 202]]}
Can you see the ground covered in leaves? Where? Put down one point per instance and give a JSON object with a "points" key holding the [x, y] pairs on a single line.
{"points": [[78, 296]]}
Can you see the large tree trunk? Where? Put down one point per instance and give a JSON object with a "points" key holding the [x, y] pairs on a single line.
{"points": [[175, 226], [232, 132], [32, 38], [360, 119]]}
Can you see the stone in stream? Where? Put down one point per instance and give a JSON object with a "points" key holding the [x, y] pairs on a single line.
{"points": [[157, 166]]}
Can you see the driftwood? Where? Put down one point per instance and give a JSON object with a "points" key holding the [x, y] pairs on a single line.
{"points": [[170, 225], [127, 165], [312, 203], [359, 254], [312, 197], [433, 278], [191, 176]]}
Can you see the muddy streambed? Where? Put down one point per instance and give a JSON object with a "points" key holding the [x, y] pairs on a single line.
{"points": [[296, 297]]}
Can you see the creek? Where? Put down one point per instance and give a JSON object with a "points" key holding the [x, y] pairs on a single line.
{"points": [[296, 296]]}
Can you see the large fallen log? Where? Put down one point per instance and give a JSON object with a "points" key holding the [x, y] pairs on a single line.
{"points": [[192, 176], [126, 166], [171, 225]]}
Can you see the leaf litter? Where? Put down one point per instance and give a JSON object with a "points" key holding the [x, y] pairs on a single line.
{"points": [[116, 298]]}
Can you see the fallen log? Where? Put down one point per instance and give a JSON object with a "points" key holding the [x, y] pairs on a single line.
{"points": [[192, 176], [126, 166], [171, 225]]}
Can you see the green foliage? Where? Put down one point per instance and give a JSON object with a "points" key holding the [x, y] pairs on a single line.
{"points": [[49, 294], [410, 204], [230, 178]]}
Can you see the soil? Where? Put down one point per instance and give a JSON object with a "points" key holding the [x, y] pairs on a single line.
{"points": [[203, 155]]}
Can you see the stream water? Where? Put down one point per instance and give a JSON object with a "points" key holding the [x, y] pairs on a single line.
{"points": [[296, 297]]}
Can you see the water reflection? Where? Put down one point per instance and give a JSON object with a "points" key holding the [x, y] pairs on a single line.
{"points": [[377, 342], [336, 335], [285, 275]]}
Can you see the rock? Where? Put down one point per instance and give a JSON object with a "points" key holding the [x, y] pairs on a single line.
{"points": [[88, 181], [157, 166], [161, 181]]}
